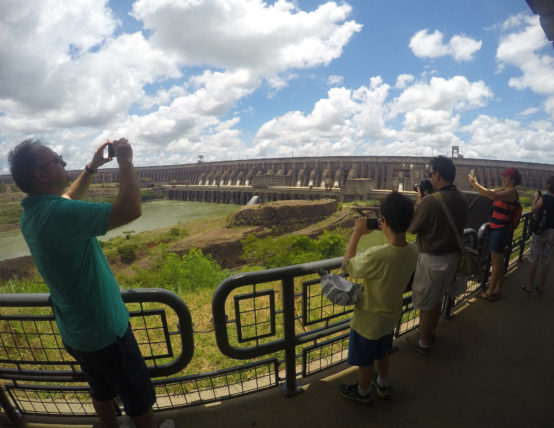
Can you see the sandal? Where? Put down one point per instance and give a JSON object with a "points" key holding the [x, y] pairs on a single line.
{"points": [[539, 290], [524, 288]]}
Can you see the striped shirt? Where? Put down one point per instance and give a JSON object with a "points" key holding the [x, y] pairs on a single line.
{"points": [[502, 213]]}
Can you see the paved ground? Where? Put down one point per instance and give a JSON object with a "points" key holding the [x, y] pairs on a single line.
{"points": [[492, 366]]}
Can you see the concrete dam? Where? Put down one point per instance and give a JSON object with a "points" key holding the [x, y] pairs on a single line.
{"points": [[344, 178]]}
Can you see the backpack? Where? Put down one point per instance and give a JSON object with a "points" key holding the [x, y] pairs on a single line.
{"points": [[516, 216], [538, 224]]}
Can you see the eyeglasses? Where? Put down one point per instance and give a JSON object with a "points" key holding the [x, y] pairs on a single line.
{"points": [[57, 159]]}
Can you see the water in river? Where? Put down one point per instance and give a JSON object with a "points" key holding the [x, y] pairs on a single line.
{"points": [[155, 215]]}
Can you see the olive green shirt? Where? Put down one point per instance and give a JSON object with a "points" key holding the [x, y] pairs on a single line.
{"points": [[434, 233]]}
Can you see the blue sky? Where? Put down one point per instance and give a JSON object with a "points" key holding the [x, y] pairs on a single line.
{"points": [[232, 79]]}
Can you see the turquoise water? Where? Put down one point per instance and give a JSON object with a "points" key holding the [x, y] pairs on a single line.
{"points": [[155, 215]]}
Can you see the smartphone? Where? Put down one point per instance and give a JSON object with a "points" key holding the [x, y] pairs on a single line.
{"points": [[372, 224], [111, 152]]}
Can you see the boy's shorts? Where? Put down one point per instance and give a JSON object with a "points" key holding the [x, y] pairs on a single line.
{"points": [[118, 369], [499, 239], [541, 247], [363, 352]]}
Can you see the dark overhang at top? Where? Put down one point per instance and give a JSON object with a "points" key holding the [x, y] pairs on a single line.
{"points": [[545, 9]]}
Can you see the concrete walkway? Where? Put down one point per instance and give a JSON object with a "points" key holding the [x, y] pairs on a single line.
{"points": [[492, 366]]}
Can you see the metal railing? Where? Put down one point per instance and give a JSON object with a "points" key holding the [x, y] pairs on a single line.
{"points": [[277, 322]]}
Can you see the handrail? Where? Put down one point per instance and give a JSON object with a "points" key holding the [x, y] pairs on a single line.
{"points": [[326, 323], [166, 297]]}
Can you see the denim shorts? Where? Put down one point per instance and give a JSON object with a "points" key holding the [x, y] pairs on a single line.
{"points": [[499, 239], [363, 352], [118, 369]]}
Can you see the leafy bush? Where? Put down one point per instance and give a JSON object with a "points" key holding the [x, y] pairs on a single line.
{"points": [[291, 249], [127, 253], [192, 271]]}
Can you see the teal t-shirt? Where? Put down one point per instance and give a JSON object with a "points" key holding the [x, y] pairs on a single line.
{"points": [[61, 234]]}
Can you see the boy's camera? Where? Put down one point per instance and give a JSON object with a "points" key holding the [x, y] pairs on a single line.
{"points": [[111, 151], [425, 186], [372, 224]]}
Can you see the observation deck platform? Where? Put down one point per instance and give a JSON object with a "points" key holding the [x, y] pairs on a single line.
{"points": [[491, 366]]}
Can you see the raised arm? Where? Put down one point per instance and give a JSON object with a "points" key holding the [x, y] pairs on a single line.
{"points": [[537, 204], [506, 195], [127, 205], [79, 187], [360, 228]]}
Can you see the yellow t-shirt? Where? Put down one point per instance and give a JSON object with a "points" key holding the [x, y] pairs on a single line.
{"points": [[385, 271]]}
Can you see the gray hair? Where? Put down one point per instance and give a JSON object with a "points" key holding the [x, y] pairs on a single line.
{"points": [[23, 163]]}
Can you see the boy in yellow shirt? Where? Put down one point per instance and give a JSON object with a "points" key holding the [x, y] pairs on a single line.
{"points": [[385, 270]]}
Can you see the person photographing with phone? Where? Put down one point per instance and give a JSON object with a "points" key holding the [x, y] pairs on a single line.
{"points": [[542, 244], [385, 270], [505, 201], [60, 230]]}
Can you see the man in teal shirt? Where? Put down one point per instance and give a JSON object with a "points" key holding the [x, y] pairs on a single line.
{"points": [[61, 231]]}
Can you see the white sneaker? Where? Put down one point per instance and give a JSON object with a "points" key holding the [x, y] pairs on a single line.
{"points": [[168, 423]]}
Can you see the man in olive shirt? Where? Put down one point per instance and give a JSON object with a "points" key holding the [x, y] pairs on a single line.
{"points": [[438, 248], [61, 230]]}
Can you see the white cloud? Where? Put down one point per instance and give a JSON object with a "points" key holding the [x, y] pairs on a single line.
{"points": [[335, 80], [64, 66], [426, 45], [404, 80], [528, 111], [442, 94], [359, 121], [520, 49], [249, 34], [493, 138]]}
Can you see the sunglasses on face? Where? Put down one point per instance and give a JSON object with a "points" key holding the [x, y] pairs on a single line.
{"points": [[57, 159]]}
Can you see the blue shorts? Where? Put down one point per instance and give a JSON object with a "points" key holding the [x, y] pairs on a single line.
{"points": [[363, 352], [499, 239], [118, 369]]}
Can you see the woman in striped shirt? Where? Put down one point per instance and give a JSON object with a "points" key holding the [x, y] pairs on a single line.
{"points": [[505, 200]]}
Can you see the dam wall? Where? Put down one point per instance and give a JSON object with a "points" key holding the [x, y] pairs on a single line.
{"points": [[342, 178]]}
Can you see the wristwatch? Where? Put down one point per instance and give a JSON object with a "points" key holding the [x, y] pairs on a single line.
{"points": [[90, 170]]}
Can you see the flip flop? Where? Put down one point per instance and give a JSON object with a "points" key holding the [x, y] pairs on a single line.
{"points": [[524, 288], [539, 290]]}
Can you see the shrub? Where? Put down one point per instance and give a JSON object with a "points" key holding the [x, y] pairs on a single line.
{"points": [[192, 271], [289, 250], [127, 253]]}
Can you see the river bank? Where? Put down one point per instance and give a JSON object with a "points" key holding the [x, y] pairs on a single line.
{"points": [[218, 236]]}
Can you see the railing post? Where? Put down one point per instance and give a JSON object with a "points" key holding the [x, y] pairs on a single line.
{"points": [[508, 252], [523, 237], [11, 412], [291, 386], [447, 306]]}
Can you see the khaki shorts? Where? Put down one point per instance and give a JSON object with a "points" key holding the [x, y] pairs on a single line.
{"points": [[433, 277]]}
